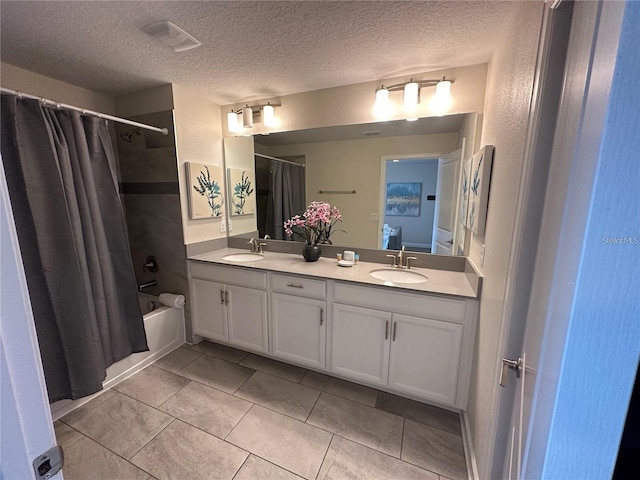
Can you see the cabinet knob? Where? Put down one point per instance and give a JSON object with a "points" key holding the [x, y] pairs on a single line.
{"points": [[294, 285], [395, 328], [321, 316], [226, 298], [221, 297]]}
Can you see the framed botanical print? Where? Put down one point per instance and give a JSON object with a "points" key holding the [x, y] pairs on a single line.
{"points": [[479, 189], [241, 191], [206, 190]]}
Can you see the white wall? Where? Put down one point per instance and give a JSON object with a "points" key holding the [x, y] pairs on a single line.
{"points": [[35, 84], [356, 165], [198, 139], [509, 90], [352, 104]]}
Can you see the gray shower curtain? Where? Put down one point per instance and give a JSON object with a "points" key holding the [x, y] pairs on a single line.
{"points": [[62, 181], [286, 197]]}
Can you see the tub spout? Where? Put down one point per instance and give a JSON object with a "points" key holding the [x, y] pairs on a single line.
{"points": [[150, 283]]}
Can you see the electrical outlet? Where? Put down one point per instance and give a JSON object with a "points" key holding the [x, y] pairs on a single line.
{"points": [[373, 216], [482, 252], [223, 225]]}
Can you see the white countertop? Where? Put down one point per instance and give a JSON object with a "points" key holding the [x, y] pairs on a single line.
{"points": [[439, 281]]}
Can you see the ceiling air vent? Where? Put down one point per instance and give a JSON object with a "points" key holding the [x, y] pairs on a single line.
{"points": [[171, 35]]}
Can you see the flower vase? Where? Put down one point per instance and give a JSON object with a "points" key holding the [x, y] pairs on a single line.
{"points": [[311, 253]]}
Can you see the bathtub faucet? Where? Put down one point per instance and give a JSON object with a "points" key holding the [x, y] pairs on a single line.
{"points": [[150, 283]]}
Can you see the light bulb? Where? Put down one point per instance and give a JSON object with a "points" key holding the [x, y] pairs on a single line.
{"points": [[442, 98], [411, 93], [232, 122], [247, 117], [268, 116], [411, 90], [443, 89], [382, 106]]}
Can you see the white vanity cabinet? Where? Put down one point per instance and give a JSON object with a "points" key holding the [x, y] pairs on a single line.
{"points": [[298, 320], [230, 305], [360, 343], [414, 343]]}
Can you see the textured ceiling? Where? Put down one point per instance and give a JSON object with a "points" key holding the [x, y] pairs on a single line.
{"points": [[250, 50]]}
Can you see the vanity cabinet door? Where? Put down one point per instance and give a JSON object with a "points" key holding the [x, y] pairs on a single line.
{"points": [[298, 329], [360, 343], [247, 318], [208, 309], [425, 357]]}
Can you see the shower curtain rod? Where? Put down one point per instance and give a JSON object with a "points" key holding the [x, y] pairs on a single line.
{"points": [[84, 111], [279, 160]]}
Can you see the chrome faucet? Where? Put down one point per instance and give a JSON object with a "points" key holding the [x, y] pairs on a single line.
{"points": [[400, 257], [150, 283], [257, 246], [401, 260]]}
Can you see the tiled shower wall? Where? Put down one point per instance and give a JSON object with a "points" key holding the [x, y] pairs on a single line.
{"points": [[150, 193]]}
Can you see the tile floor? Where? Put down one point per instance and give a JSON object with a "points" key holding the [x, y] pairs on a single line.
{"points": [[212, 412]]}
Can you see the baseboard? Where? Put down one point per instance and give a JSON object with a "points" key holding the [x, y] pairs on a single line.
{"points": [[469, 452]]}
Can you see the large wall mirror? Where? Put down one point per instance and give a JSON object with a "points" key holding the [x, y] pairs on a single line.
{"points": [[395, 183]]}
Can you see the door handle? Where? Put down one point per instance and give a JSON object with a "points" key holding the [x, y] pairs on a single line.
{"points": [[507, 364], [386, 329], [450, 242], [321, 316]]}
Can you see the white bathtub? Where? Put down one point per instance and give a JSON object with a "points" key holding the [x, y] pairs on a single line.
{"points": [[165, 332]]}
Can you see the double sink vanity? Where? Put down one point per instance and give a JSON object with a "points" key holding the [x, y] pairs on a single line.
{"points": [[410, 332]]}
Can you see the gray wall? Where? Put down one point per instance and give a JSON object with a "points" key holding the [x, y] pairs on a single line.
{"points": [[149, 188], [415, 230]]}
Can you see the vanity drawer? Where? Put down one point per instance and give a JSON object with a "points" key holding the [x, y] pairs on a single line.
{"points": [[229, 275], [422, 305], [301, 286]]}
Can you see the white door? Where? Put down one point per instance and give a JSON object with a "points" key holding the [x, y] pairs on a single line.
{"points": [[25, 416], [425, 357], [247, 318], [360, 343], [562, 242], [299, 329], [208, 309], [446, 214]]}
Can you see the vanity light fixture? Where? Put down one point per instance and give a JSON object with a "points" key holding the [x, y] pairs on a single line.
{"points": [[245, 117], [382, 108]]}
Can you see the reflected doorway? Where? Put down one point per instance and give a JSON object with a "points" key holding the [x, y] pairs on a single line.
{"points": [[408, 202]]}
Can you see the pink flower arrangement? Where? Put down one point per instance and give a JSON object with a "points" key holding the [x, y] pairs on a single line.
{"points": [[315, 224]]}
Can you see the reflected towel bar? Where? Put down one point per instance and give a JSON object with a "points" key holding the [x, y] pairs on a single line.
{"points": [[336, 191]]}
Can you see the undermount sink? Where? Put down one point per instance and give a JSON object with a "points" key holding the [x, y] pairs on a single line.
{"points": [[398, 276], [243, 257]]}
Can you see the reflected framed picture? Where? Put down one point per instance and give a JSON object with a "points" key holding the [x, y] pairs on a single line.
{"points": [[480, 179], [403, 199], [241, 191], [206, 190]]}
